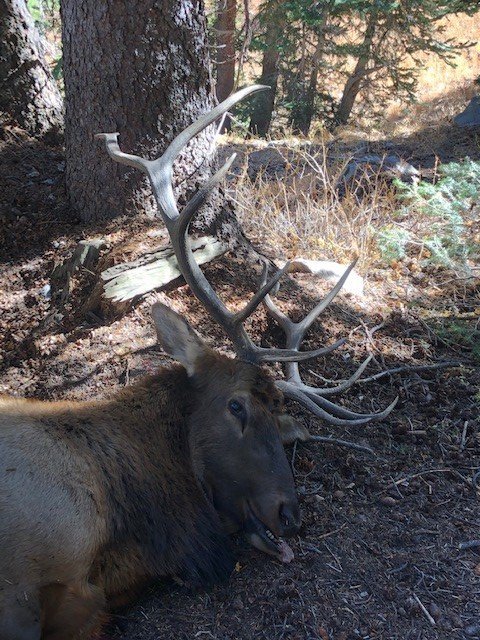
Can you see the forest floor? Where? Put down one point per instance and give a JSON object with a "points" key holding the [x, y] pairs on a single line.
{"points": [[380, 552]]}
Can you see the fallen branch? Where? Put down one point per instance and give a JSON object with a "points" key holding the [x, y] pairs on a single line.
{"points": [[471, 544], [426, 472], [342, 443], [152, 271], [424, 610], [421, 367]]}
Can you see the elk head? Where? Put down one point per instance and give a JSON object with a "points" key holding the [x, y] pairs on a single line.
{"points": [[235, 438]]}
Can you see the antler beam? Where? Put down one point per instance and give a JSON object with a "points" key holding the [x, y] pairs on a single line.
{"points": [[159, 172]]}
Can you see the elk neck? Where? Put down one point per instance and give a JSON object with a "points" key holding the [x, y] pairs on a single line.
{"points": [[138, 447]]}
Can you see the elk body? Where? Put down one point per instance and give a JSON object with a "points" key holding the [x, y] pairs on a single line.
{"points": [[99, 498]]}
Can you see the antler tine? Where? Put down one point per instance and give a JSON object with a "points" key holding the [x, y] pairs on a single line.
{"points": [[204, 121], [113, 150], [296, 330], [342, 386], [314, 405], [293, 356], [282, 319], [295, 394], [306, 323], [194, 204], [331, 407], [311, 397], [250, 307], [161, 169]]}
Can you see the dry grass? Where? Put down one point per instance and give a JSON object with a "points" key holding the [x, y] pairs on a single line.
{"points": [[431, 113], [302, 213], [443, 89]]}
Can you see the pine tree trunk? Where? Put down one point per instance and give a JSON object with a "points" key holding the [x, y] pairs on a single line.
{"points": [[354, 82], [28, 93], [141, 69], [225, 41], [304, 109], [264, 102], [304, 106]]}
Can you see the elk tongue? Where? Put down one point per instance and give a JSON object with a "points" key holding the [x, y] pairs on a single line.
{"points": [[286, 553]]}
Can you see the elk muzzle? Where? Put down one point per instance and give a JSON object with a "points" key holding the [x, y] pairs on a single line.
{"points": [[281, 520]]}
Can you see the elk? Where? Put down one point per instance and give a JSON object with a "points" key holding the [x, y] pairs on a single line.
{"points": [[99, 498]]}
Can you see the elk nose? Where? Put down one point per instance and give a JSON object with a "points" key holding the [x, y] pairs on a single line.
{"points": [[289, 519]]}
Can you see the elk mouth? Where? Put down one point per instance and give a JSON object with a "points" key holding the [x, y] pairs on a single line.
{"points": [[261, 537]]}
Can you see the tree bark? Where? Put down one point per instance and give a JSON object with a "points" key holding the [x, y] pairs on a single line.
{"points": [[264, 102], [141, 69], [304, 109], [28, 92], [354, 82], [225, 59]]}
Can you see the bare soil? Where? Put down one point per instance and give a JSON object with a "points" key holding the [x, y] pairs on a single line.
{"points": [[379, 555]]}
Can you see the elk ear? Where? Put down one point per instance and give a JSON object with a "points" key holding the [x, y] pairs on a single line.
{"points": [[291, 430], [176, 337]]}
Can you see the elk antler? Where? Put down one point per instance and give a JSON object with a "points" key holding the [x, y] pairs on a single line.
{"points": [[313, 398], [159, 172]]}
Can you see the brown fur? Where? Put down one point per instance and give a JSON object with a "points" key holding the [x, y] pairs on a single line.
{"points": [[99, 498]]}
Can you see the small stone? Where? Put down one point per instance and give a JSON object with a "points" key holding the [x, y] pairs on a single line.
{"points": [[435, 611], [473, 630], [388, 501], [338, 495], [470, 116]]}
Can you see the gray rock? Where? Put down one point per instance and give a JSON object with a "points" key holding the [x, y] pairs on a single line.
{"points": [[268, 162], [362, 172], [470, 117], [329, 271]]}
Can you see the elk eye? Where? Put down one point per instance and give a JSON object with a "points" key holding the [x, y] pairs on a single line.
{"points": [[236, 409]]}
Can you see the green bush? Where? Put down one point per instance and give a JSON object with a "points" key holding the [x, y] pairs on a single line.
{"points": [[440, 211], [392, 242]]}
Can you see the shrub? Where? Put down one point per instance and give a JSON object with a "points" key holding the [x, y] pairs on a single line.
{"points": [[441, 211]]}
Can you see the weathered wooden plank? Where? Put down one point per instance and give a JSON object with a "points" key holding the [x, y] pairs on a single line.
{"points": [[128, 280]]}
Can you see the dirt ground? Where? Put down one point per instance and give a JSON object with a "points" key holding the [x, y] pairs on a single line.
{"points": [[381, 553]]}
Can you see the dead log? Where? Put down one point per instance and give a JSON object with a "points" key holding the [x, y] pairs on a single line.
{"points": [[155, 270], [86, 255]]}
